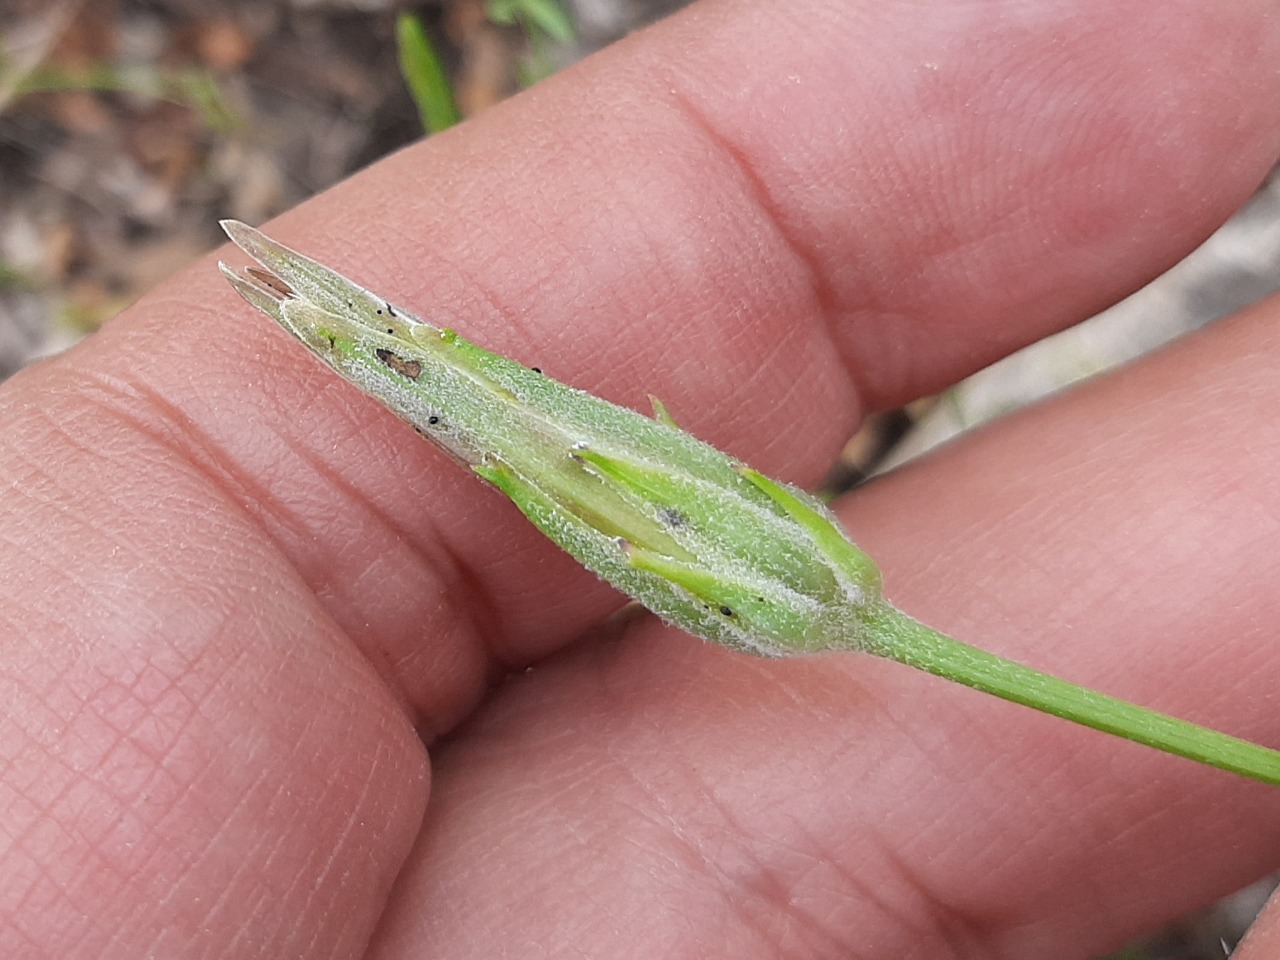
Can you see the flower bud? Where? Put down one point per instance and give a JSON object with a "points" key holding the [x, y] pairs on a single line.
{"points": [[702, 541]]}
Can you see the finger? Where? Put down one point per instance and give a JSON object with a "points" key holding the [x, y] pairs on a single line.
{"points": [[664, 798], [781, 230], [193, 759], [1263, 939]]}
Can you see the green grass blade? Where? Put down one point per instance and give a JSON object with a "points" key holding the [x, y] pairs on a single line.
{"points": [[424, 75], [549, 17]]}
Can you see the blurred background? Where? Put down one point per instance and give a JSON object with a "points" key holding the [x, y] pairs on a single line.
{"points": [[128, 128]]}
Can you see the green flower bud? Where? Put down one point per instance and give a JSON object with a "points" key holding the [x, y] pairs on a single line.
{"points": [[703, 541]]}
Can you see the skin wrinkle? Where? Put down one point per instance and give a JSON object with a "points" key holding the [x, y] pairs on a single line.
{"points": [[462, 606], [19, 620], [21, 816], [76, 722], [487, 312], [311, 886], [106, 412], [141, 906], [34, 879], [962, 927], [508, 316], [733, 889], [585, 381], [679, 847], [813, 929], [1014, 939], [445, 568], [1049, 518], [73, 891], [931, 919], [63, 495], [143, 733], [1009, 935], [767, 886], [247, 803], [755, 192], [947, 920], [739, 895], [751, 170], [744, 895]]}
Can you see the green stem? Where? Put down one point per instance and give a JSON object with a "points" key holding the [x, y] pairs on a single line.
{"points": [[906, 640]]}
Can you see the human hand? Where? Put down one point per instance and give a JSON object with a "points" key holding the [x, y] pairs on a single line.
{"points": [[241, 596]]}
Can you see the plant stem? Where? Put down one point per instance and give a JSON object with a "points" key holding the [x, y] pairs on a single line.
{"points": [[904, 639]]}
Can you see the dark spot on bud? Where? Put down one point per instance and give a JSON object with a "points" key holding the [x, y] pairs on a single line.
{"points": [[433, 420], [726, 611], [406, 368], [536, 369], [672, 517]]}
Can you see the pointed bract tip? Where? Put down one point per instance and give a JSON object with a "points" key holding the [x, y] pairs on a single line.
{"points": [[232, 227], [242, 235]]}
